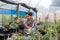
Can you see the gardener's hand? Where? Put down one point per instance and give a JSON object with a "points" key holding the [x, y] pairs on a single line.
{"points": [[21, 21]]}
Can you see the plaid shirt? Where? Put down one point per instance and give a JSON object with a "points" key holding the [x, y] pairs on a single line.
{"points": [[31, 23]]}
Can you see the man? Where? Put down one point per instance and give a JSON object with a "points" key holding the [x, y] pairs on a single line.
{"points": [[29, 22]]}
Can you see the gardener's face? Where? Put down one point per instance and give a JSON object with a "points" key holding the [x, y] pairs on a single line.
{"points": [[28, 16]]}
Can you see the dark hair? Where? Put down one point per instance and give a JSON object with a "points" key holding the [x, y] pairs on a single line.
{"points": [[29, 13]]}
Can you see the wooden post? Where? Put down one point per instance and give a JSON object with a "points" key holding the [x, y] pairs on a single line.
{"points": [[11, 16], [55, 17], [36, 17], [39, 19]]}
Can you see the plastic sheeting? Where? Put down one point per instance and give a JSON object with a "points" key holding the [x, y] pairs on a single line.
{"points": [[32, 3], [40, 5]]}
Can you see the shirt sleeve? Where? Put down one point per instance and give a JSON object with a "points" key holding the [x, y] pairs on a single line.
{"points": [[31, 24], [34, 24]]}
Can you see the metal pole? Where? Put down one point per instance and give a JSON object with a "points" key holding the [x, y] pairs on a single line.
{"points": [[17, 9], [29, 10]]}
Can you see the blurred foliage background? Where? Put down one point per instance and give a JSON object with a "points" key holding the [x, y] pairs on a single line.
{"points": [[52, 30]]}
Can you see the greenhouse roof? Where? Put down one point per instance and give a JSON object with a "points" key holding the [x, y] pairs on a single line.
{"points": [[40, 5]]}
